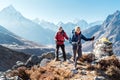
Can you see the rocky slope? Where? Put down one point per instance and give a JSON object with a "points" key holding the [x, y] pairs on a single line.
{"points": [[90, 66], [8, 58], [107, 68], [12, 41], [110, 29]]}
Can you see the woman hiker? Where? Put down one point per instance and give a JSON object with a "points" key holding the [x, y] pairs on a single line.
{"points": [[76, 43], [60, 38]]}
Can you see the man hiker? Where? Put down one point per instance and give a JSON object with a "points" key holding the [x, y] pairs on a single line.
{"points": [[60, 38], [76, 43]]}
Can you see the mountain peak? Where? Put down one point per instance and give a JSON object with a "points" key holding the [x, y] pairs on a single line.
{"points": [[60, 23], [79, 21], [10, 12], [113, 17], [10, 8], [117, 12]]}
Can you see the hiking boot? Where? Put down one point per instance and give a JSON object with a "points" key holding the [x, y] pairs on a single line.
{"points": [[57, 59], [74, 60], [75, 63], [64, 59]]}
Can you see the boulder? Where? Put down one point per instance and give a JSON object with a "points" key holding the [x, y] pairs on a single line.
{"points": [[44, 62], [49, 55], [33, 60], [15, 78], [99, 78], [68, 55], [18, 64], [2, 76]]}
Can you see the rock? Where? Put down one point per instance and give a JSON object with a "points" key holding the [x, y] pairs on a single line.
{"points": [[49, 55], [18, 64], [3, 77], [99, 78], [1, 73], [33, 60], [68, 55], [93, 72], [69, 61], [9, 70], [15, 78], [44, 62], [74, 71], [98, 60], [83, 72]]}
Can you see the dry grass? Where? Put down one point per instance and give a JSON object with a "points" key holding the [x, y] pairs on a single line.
{"points": [[48, 73], [104, 64], [113, 72], [109, 67], [107, 62], [87, 57], [90, 67], [42, 73], [20, 72]]}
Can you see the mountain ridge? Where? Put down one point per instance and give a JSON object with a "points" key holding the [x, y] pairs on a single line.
{"points": [[15, 22], [12, 57], [110, 29]]}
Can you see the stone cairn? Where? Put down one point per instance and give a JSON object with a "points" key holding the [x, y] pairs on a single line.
{"points": [[103, 47]]}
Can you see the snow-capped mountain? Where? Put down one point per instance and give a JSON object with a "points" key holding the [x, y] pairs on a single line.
{"points": [[96, 23], [68, 27], [82, 23], [12, 41], [46, 24], [18, 24], [110, 29], [39, 31], [9, 38]]}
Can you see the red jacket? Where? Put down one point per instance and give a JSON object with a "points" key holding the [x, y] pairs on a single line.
{"points": [[60, 37]]}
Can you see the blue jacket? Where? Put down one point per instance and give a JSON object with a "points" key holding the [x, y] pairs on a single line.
{"points": [[78, 37]]}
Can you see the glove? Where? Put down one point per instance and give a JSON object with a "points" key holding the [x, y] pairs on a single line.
{"points": [[93, 37], [55, 41]]}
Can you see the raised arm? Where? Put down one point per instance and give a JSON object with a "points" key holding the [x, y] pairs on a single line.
{"points": [[87, 39]]}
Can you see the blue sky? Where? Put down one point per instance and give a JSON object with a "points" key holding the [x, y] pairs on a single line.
{"points": [[64, 10]]}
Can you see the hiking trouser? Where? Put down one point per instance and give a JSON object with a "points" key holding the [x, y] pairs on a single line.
{"points": [[63, 51], [77, 50]]}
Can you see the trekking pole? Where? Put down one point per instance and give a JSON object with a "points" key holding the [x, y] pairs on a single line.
{"points": [[92, 45], [93, 50], [76, 56]]}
